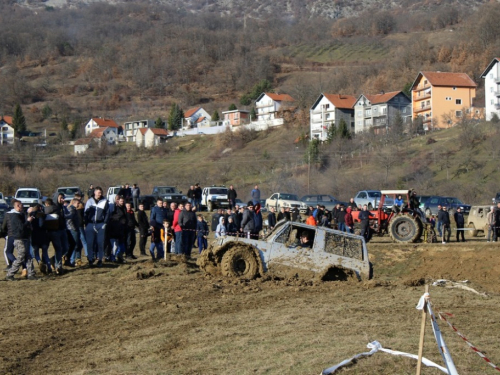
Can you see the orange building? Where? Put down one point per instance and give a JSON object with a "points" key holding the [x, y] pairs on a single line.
{"points": [[439, 98]]}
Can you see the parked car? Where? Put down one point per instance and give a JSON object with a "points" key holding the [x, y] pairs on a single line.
{"points": [[4, 208], [372, 198], [29, 196], [278, 200], [213, 197], [69, 193], [451, 203], [240, 203], [323, 199]]}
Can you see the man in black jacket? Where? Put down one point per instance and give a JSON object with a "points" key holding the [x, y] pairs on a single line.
{"points": [[19, 227], [143, 223], [364, 217], [131, 225], [187, 221], [197, 197], [271, 219], [232, 195], [247, 225], [460, 221], [444, 217], [118, 230]]}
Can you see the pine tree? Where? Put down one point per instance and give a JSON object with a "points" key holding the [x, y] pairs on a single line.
{"points": [[18, 120], [343, 131], [331, 133], [159, 123], [232, 107], [171, 117], [253, 114], [64, 125], [215, 116]]}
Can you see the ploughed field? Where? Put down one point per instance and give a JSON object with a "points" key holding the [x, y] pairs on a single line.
{"points": [[170, 318]]}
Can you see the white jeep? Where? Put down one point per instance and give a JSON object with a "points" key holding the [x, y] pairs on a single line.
{"points": [[214, 197]]}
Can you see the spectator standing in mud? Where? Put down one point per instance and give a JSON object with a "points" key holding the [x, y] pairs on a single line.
{"points": [[136, 193], [497, 222], [158, 213], [19, 228], [221, 228], [197, 197], [143, 223], [364, 217], [349, 221], [202, 233], [118, 230], [90, 192], [460, 222], [190, 195], [490, 220], [232, 229], [187, 222], [440, 224], [247, 225], [341, 219], [178, 230], [271, 219], [55, 224], [352, 204], [131, 225], [444, 218], [258, 221], [255, 195], [232, 195], [215, 219], [96, 218], [80, 209]]}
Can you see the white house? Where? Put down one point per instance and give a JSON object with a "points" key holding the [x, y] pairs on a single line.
{"points": [[379, 111], [327, 111], [268, 105], [150, 137], [6, 130], [104, 134], [131, 127], [82, 145], [491, 77], [196, 117], [97, 122]]}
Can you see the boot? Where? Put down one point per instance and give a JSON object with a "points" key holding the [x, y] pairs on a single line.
{"points": [[24, 273]]}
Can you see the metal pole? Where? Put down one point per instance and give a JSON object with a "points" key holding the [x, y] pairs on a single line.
{"points": [[309, 172], [422, 334]]}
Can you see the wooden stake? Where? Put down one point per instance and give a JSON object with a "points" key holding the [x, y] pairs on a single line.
{"points": [[422, 334]]}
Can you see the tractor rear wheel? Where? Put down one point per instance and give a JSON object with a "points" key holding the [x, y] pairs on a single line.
{"points": [[240, 262], [404, 228]]}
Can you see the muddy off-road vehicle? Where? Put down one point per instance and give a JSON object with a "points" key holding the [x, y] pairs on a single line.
{"points": [[328, 249], [476, 221]]}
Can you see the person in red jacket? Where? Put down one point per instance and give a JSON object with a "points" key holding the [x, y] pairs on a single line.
{"points": [[178, 230], [349, 222], [311, 220]]}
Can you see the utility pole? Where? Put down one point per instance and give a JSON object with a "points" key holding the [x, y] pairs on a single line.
{"points": [[309, 171]]}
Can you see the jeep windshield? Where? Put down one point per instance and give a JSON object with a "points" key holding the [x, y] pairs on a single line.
{"points": [[27, 194], [217, 191], [289, 197], [167, 190], [374, 194]]}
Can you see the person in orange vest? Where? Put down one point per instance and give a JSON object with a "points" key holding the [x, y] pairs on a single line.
{"points": [[311, 220]]}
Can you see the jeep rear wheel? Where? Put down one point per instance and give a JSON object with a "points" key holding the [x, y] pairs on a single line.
{"points": [[404, 228], [240, 262]]}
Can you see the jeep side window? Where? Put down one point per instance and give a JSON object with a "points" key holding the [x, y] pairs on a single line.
{"points": [[362, 195], [274, 196]]}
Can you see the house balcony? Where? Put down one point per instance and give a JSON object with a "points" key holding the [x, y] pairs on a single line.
{"points": [[417, 98], [497, 79], [422, 109], [422, 87], [496, 93], [379, 115], [265, 105]]}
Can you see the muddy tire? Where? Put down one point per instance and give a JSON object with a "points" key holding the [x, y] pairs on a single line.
{"points": [[240, 262], [404, 228], [473, 232], [210, 206]]}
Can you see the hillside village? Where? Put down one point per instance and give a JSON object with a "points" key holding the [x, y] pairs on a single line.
{"points": [[437, 100]]}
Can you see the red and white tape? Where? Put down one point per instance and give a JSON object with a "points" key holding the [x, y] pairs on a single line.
{"points": [[471, 345]]}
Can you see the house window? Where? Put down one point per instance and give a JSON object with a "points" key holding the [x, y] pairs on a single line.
{"points": [[327, 106], [360, 114], [458, 113], [327, 115], [368, 112], [458, 101], [454, 88], [428, 102], [384, 110], [448, 98], [404, 110]]}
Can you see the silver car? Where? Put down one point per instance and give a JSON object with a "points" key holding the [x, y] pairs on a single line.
{"points": [[372, 198]]}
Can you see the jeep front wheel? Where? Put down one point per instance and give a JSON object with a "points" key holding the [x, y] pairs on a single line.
{"points": [[473, 232], [404, 228], [240, 262]]}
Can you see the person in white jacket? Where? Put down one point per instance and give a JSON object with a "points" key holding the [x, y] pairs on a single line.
{"points": [[221, 228]]}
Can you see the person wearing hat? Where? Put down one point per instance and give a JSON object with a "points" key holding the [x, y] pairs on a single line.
{"points": [[460, 221], [490, 220]]}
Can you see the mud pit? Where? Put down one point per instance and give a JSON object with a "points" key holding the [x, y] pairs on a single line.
{"points": [[173, 319]]}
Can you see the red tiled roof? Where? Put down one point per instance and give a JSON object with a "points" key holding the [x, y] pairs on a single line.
{"points": [[105, 122], [449, 79], [143, 130], [200, 119], [159, 131], [280, 97], [191, 112], [341, 101], [97, 133], [382, 98], [7, 119]]}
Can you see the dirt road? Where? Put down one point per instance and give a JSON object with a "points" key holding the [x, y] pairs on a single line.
{"points": [[169, 318]]}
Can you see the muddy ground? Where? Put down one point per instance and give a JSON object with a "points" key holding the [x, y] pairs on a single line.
{"points": [[170, 318]]}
